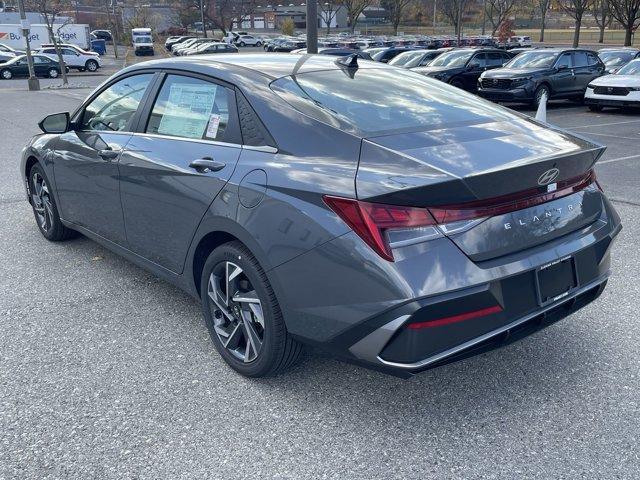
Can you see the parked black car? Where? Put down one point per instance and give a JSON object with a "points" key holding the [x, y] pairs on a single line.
{"points": [[17, 67], [103, 35], [385, 55], [556, 72], [340, 52], [614, 58], [172, 41], [462, 68], [287, 45]]}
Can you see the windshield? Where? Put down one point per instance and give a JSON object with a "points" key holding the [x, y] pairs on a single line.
{"points": [[373, 101], [631, 68], [143, 40], [405, 58], [457, 58], [615, 59], [15, 59], [533, 60]]}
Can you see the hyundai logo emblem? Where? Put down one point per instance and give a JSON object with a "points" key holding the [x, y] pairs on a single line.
{"points": [[548, 177]]}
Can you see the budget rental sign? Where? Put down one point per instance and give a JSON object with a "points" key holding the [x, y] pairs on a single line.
{"points": [[73, 33]]}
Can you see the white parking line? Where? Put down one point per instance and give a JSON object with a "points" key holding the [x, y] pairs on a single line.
{"points": [[611, 160], [609, 135], [600, 124]]}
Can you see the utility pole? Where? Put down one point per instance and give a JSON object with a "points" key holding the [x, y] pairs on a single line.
{"points": [[312, 26], [34, 83], [484, 16], [204, 27], [435, 5]]}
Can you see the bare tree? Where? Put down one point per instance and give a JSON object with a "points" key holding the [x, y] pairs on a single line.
{"points": [[453, 11], [396, 9], [497, 11], [602, 16], [543, 6], [576, 10], [51, 13], [627, 12], [354, 10], [328, 11]]}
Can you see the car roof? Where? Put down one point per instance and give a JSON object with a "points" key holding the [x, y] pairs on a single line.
{"points": [[269, 66]]}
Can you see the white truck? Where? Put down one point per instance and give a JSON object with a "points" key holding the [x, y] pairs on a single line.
{"points": [[73, 33], [142, 40]]}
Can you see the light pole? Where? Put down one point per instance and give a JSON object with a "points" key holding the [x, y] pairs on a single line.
{"points": [[312, 26], [435, 5], [34, 83]]}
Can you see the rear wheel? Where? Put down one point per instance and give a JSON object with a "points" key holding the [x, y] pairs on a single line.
{"points": [[53, 73], [44, 207], [91, 65], [243, 315], [258, 44], [242, 44], [6, 74], [595, 108]]}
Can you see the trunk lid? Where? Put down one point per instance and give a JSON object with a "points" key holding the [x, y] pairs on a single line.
{"points": [[479, 161]]}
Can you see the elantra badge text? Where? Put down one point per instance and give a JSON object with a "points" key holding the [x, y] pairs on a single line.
{"points": [[537, 218]]}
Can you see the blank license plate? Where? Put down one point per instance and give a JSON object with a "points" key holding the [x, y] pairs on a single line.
{"points": [[556, 280]]}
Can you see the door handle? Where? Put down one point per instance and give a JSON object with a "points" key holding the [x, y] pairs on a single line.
{"points": [[108, 154], [206, 164]]}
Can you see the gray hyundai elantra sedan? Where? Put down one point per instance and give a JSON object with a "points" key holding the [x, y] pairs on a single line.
{"points": [[393, 220]]}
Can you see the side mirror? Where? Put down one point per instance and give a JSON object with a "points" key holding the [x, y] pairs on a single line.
{"points": [[562, 67], [474, 64], [55, 123]]}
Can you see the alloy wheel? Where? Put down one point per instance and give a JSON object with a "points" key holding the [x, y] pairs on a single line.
{"points": [[53, 73], [41, 201], [6, 74], [237, 312], [92, 66]]}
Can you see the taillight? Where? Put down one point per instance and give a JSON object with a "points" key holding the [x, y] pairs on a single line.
{"points": [[384, 227], [372, 221]]}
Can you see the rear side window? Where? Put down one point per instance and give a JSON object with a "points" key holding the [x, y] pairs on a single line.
{"points": [[592, 59], [373, 101], [114, 107], [191, 108], [254, 132], [580, 59], [495, 59]]}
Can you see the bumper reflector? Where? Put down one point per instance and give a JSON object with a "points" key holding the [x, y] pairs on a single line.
{"points": [[438, 322]]}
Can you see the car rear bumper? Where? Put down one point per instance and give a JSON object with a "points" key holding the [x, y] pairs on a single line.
{"points": [[366, 311]]}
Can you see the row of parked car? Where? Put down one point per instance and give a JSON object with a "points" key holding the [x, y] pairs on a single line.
{"points": [[13, 63]]}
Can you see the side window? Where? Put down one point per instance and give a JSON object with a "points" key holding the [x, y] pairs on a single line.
{"points": [[580, 59], [480, 59], [68, 51], [49, 51], [37, 60], [565, 59], [191, 108], [494, 59], [114, 107], [592, 59]]}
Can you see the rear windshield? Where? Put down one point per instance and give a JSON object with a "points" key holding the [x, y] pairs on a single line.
{"points": [[375, 101]]}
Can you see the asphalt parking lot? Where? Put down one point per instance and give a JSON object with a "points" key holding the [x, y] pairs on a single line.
{"points": [[108, 372]]}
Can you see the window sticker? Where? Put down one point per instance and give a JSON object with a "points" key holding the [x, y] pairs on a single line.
{"points": [[214, 123], [187, 110]]}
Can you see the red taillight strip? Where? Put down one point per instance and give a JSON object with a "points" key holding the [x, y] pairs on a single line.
{"points": [[439, 322], [511, 202]]}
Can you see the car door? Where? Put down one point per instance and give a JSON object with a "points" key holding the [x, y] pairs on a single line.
{"points": [[184, 152], [71, 57], [582, 72], [563, 78], [476, 65], [20, 68], [41, 65], [86, 158]]}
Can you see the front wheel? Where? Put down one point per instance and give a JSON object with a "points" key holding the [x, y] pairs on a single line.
{"points": [[44, 207], [6, 74], [243, 315], [242, 44], [258, 44], [53, 73], [540, 92], [91, 65]]}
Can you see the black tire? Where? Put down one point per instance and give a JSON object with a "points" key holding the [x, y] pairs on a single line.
{"points": [[258, 44], [53, 73], [595, 108], [277, 350], [6, 74], [45, 209], [91, 65], [242, 44], [537, 96]]}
